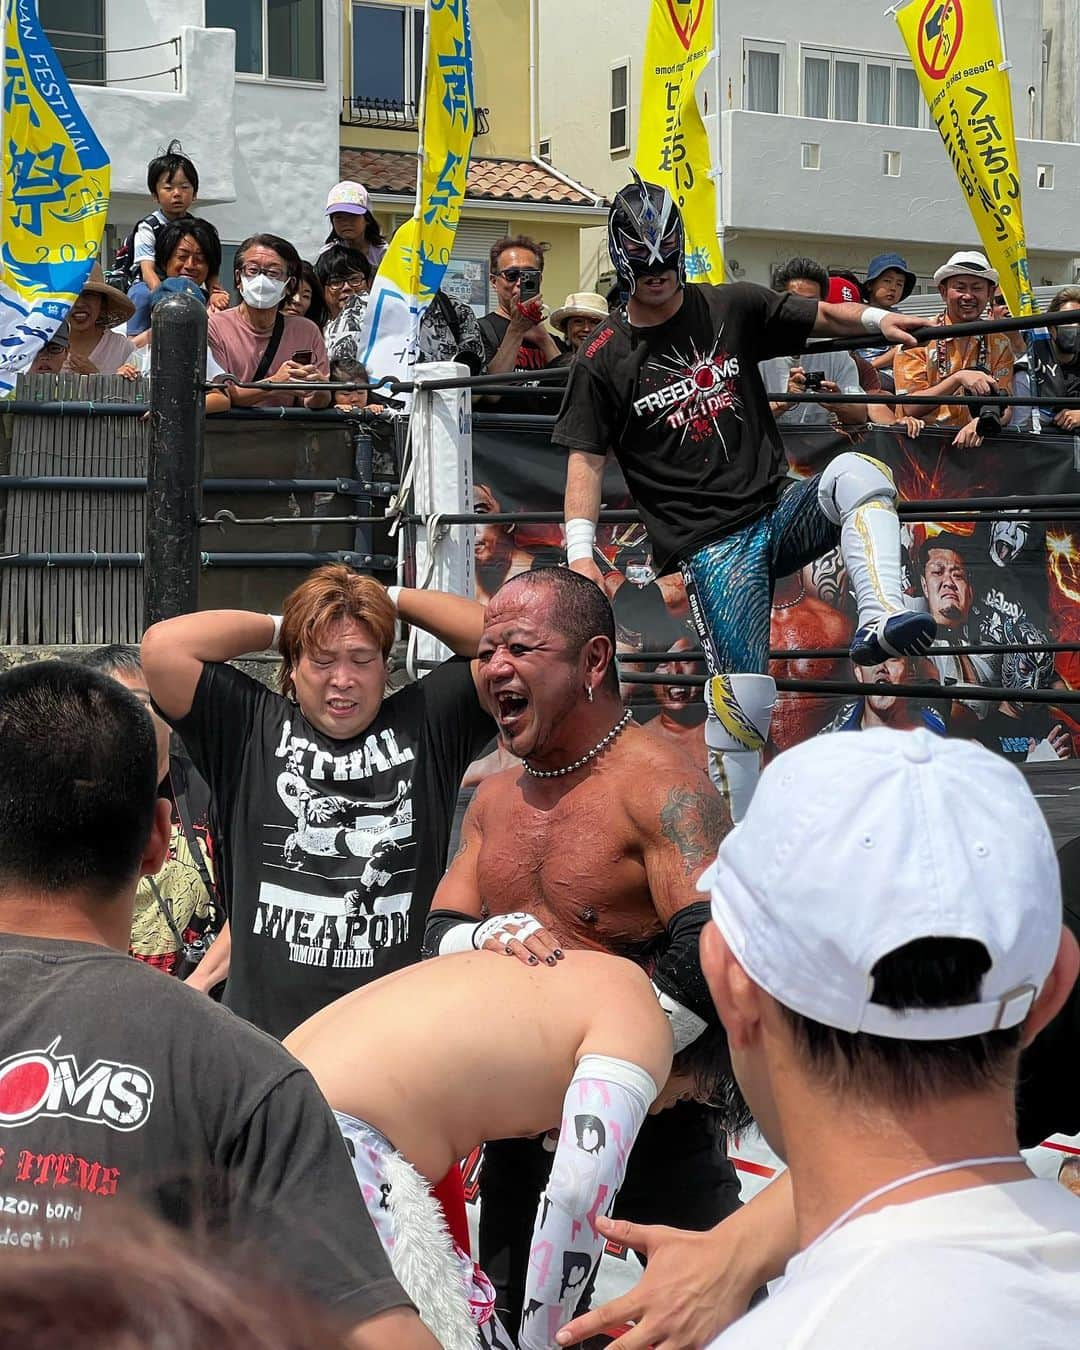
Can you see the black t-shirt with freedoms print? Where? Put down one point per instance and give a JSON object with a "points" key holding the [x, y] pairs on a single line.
{"points": [[684, 409], [120, 1086], [332, 849]]}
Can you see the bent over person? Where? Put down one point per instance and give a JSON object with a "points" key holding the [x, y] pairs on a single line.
{"points": [[596, 840], [583, 1050], [670, 384]]}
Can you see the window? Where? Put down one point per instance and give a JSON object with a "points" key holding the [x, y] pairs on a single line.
{"points": [[761, 76], [891, 163], [76, 29], [1044, 176], [387, 60], [543, 151], [277, 39], [619, 109], [811, 155], [850, 87]]}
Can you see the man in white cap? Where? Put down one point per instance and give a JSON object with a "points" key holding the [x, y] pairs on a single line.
{"points": [[575, 319], [961, 366], [887, 934]]}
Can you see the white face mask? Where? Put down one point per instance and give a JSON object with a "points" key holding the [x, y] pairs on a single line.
{"points": [[262, 292]]}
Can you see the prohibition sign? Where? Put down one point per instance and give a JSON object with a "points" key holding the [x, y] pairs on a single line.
{"points": [[941, 26]]}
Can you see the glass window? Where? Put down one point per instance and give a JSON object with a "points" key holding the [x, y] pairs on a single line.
{"points": [[618, 119], [295, 39], [846, 92], [378, 65], [417, 55], [816, 86], [245, 17], [908, 97], [76, 29], [762, 80], [879, 94]]}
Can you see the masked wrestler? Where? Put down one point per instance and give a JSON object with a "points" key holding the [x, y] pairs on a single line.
{"points": [[597, 837], [583, 1050], [670, 384]]}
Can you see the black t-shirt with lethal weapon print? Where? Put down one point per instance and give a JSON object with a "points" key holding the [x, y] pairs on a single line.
{"points": [[332, 848], [684, 409]]}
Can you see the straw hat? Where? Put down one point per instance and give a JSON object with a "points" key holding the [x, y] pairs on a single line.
{"points": [[580, 305], [115, 306]]}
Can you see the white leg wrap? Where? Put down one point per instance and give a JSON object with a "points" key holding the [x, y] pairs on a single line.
{"points": [[858, 494], [736, 729]]}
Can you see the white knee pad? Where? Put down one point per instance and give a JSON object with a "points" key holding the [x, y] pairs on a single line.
{"points": [[850, 481], [739, 711], [736, 729]]}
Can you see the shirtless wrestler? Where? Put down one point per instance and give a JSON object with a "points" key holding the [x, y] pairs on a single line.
{"points": [[680, 720], [802, 622], [583, 1049], [597, 839]]}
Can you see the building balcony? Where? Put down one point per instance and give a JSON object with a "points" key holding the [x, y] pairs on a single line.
{"points": [[197, 106], [389, 115], [799, 175]]}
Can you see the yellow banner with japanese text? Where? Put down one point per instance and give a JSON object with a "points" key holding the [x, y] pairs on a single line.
{"points": [[415, 263], [55, 193], [956, 47], [672, 144]]}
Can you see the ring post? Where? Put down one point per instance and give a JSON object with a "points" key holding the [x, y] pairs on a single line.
{"points": [[174, 470]]}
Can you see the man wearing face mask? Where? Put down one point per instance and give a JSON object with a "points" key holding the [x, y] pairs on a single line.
{"points": [[1056, 359], [256, 340], [670, 385]]}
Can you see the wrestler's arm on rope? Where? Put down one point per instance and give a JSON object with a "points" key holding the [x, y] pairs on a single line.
{"points": [[455, 922], [603, 1110], [847, 320], [451, 618], [683, 822], [695, 1284], [581, 509]]}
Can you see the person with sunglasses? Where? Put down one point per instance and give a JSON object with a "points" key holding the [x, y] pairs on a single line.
{"points": [[514, 334]]}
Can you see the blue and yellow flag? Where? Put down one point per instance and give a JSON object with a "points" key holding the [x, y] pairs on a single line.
{"points": [[672, 144], [956, 48], [55, 193], [413, 267]]}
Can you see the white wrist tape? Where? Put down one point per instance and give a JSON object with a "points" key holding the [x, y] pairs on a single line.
{"points": [[470, 937], [871, 318], [276, 641], [393, 594], [686, 1026], [580, 538], [503, 927]]}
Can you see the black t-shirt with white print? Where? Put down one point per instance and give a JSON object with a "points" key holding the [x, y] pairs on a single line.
{"points": [[332, 848], [120, 1086], [684, 409]]}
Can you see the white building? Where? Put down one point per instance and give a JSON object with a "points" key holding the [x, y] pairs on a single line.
{"points": [[817, 121], [251, 88]]}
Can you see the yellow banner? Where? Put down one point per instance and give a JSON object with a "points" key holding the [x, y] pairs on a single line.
{"points": [[55, 193], [957, 51], [672, 147], [414, 265]]}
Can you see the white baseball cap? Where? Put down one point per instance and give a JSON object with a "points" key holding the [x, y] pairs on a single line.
{"points": [[858, 843]]}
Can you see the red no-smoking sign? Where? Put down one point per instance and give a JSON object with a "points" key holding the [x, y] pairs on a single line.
{"points": [[941, 28]]}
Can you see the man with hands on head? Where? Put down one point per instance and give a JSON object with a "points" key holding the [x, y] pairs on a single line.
{"points": [[335, 802]]}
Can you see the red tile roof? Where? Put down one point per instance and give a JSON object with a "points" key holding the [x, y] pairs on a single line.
{"points": [[495, 180]]}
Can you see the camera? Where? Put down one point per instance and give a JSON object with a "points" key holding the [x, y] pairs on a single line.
{"points": [[190, 955], [814, 379], [988, 422]]}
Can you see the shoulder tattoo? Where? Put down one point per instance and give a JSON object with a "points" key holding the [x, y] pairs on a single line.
{"points": [[695, 822]]}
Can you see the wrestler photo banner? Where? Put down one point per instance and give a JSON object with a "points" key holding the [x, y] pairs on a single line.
{"points": [[55, 193], [1006, 582], [956, 47], [672, 145]]}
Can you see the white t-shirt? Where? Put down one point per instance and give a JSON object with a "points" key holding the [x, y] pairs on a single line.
{"points": [[989, 1268], [140, 359], [144, 244], [836, 366]]}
